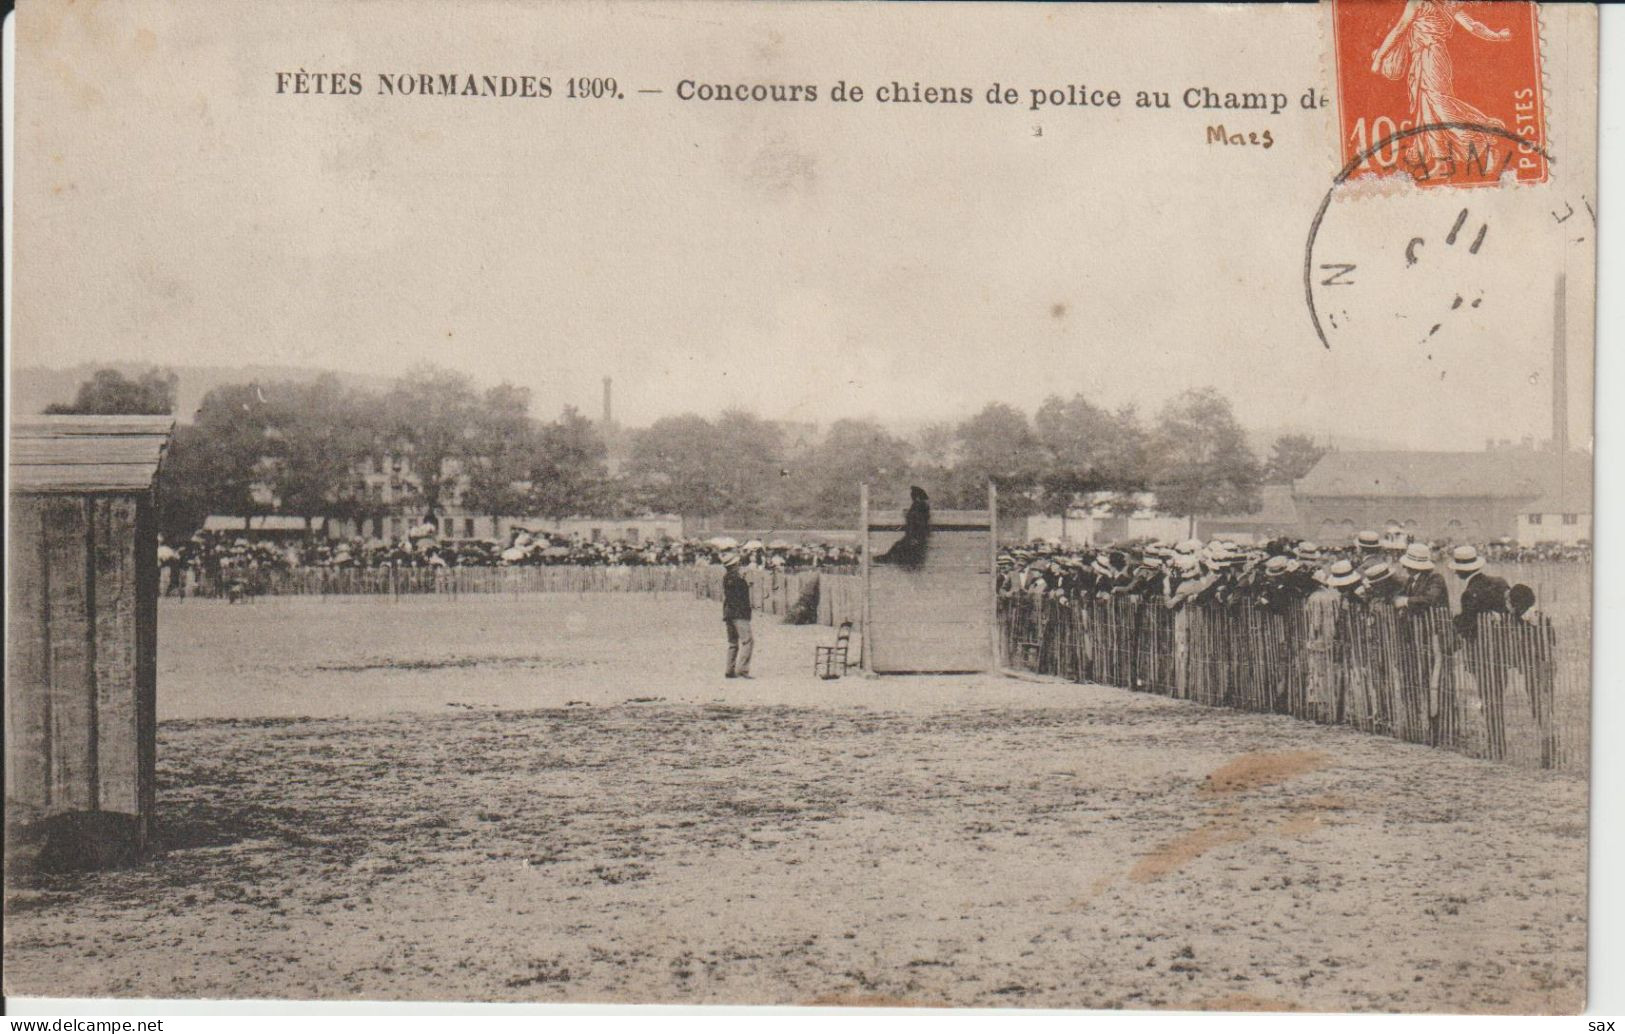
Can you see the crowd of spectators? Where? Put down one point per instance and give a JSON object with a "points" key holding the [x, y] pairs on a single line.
{"points": [[1277, 575], [212, 562], [1545, 552], [1369, 632]]}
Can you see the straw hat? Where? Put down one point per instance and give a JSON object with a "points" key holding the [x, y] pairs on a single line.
{"points": [[1306, 551], [1417, 557], [1368, 540], [1377, 573], [1341, 574], [730, 559], [1465, 559], [1276, 566]]}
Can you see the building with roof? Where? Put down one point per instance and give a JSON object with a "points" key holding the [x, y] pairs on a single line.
{"points": [[1277, 516], [1443, 496], [266, 527], [1562, 516], [1102, 518], [634, 530]]}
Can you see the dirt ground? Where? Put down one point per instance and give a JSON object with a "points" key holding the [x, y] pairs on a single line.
{"points": [[558, 798]]}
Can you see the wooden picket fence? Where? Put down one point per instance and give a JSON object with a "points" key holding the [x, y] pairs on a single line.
{"points": [[421, 581], [1514, 691], [776, 593]]}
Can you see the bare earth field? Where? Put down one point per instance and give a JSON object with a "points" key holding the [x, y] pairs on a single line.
{"points": [[558, 798]]}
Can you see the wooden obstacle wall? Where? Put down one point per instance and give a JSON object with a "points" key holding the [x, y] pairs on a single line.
{"points": [[938, 616]]}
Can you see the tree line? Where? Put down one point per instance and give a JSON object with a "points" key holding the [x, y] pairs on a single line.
{"points": [[304, 448]]}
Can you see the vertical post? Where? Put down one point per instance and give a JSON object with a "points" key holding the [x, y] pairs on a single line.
{"points": [[993, 571], [866, 661]]}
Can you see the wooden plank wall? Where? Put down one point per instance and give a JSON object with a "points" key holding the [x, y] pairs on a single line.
{"points": [[81, 679], [71, 658], [940, 616], [28, 672]]}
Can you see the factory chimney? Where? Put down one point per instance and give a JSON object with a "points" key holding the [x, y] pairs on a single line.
{"points": [[609, 414]]}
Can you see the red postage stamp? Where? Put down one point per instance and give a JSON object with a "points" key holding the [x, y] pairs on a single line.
{"points": [[1445, 92]]}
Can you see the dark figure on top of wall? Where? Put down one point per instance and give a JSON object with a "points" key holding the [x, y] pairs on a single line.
{"points": [[909, 551]]}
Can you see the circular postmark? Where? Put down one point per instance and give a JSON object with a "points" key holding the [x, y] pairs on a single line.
{"points": [[1458, 232]]}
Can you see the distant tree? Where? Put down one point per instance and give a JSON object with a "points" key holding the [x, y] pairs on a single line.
{"points": [[433, 416], [503, 454], [935, 451], [190, 484], [676, 465], [699, 468], [937, 446], [824, 482], [232, 426], [1088, 449], [569, 474], [998, 445], [1291, 457], [214, 463], [1201, 462], [317, 436], [618, 496], [750, 461], [110, 393]]}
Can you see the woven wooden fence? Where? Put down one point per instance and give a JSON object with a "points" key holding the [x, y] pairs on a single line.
{"points": [[1514, 691]]}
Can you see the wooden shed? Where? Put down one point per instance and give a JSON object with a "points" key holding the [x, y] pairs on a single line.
{"points": [[937, 615], [82, 624]]}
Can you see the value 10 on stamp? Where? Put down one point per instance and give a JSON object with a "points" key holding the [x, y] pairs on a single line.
{"points": [[1441, 91]]}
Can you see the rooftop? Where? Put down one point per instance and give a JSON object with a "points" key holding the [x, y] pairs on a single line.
{"points": [[1493, 474], [87, 453], [1276, 510]]}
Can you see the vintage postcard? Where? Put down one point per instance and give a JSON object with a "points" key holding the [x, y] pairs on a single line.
{"points": [[829, 504]]}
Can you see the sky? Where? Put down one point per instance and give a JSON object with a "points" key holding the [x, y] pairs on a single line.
{"points": [[906, 262]]}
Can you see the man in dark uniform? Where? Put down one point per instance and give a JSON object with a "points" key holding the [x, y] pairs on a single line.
{"points": [[736, 616], [1383, 657], [1480, 593], [1483, 594], [1532, 650], [1271, 590], [1424, 586], [1423, 604]]}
